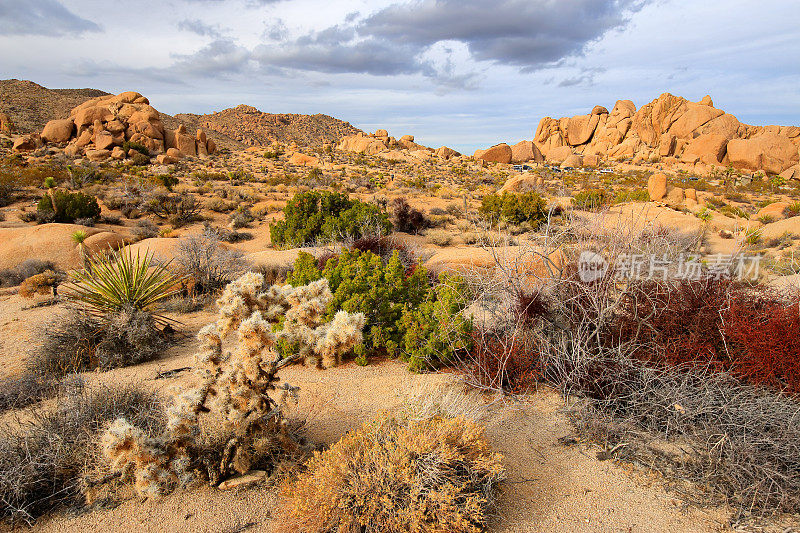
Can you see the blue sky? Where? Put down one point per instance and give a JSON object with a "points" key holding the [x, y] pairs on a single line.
{"points": [[463, 73]]}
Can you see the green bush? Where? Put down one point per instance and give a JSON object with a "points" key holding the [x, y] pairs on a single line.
{"points": [[312, 216], [68, 206], [514, 208], [640, 195], [590, 199], [142, 149], [407, 316]]}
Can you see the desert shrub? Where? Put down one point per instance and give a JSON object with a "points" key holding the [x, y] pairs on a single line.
{"points": [[639, 195], [69, 206], [233, 420], [207, 264], [241, 217], [436, 329], [384, 246], [406, 218], [406, 315], [719, 324], [77, 342], [230, 235], [167, 181], [792, 210], [43, 462], [145, 229], [127, 146], [23, 390], [179, 209], [439, 237], [591, 199], [514, 208], [312, 216], [30, 267], [738, 440], [42, 284], [395, 475], [7, 188]]}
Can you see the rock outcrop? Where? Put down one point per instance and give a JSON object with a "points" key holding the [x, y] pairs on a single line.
{"points": [[672, 129], [499, 153], [380, 142], [100, 125]]}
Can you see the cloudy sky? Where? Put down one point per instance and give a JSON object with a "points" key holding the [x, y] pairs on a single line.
{"points": [[465, 73]]}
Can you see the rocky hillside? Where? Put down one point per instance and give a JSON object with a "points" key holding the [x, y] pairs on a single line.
{"points": [[30, 106], [251, 127]]}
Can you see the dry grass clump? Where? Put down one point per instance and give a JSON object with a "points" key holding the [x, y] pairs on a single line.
{"points": [[45, 455], [207, 264], [77, 342], [397, 475], [739, 440]]}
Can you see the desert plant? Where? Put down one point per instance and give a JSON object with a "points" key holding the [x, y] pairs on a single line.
{"points": [[406, 218], [23, 271], [514, 208], [312, 216], [234, 395], [45, 283], [792, 210], [207, 265], [395, 474], [145, 229], [179, 209], [64, 206], [591, 199], [43, 462], [439, 237], [122, 282]]}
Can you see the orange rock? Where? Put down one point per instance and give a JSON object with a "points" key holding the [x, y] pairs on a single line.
{"points": [[657, 187]]}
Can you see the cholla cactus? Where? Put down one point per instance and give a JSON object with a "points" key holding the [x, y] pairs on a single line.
{"points": [[236, 386]]}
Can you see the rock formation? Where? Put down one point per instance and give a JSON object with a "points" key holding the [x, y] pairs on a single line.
{"points": [[673, 130], [381, 143], [98, 127]]}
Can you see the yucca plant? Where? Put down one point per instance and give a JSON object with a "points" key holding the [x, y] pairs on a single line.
{"points": [[123, 281]]}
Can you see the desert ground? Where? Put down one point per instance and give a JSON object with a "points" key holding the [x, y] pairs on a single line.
{"points": [[185, 176]]}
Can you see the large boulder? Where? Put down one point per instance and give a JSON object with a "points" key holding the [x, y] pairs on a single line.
{"points": [[773, 211], [499, 153], [445, 153], [657, 187], [360, 143], [58, 131], [708, 149], [26, 143], [558, 155], [303, 160], [694, 116], [769, 152], [573, 160], [581, 128], [525, 151]]}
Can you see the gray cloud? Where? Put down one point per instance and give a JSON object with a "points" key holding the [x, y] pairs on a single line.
{"points": [[200, 28], [41, 17], [527, 34], [220, 57]]}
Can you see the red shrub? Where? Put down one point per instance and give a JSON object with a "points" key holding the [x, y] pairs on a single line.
{"points": [[764, 338], [751, 332], [508, 363]]}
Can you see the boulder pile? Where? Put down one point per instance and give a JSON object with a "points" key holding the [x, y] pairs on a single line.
{"points": [[99, 127], [381, 143], [670, 130]]}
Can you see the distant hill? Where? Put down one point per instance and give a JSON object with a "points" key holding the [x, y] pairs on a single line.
{"points": [[252, 127], [30, 105]]}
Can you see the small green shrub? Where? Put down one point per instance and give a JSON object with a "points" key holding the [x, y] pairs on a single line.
{"points": [[514, 208], [590, 199], [640, 195], [128, 146], [792, 210], [69, 206], [407, 316], [312, 216], [167, 181]]}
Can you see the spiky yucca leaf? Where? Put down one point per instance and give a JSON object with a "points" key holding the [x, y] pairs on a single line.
{"points": [[110, 284]]}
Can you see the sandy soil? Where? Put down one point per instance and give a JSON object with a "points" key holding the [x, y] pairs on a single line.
{"points": [[550, 487]]}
